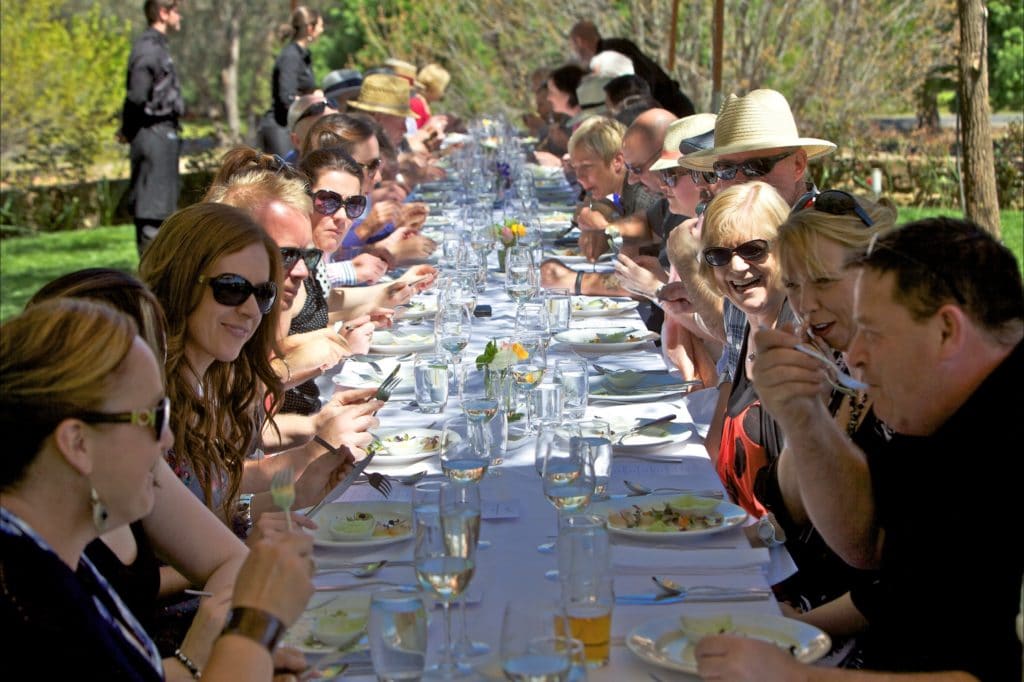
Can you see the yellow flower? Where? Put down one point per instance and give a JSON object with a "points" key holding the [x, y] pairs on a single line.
{"points": [[520, 352], [518, 229]]}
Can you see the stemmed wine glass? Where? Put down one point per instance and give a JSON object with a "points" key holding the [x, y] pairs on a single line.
{"points": [[533, 320], [567, 473], [527, 375], [460, 520], [445, 558], [453, 328], [521, 282]]}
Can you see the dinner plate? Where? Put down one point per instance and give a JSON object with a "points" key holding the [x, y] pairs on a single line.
{"points": [[732, 516], [571, 255], [665, 643], [650, 387], [405, 446], [382, 511], [355, 374], [355, 604], [605, 340], [601, 306], [399, 342], [624, 417], [417, 310]]}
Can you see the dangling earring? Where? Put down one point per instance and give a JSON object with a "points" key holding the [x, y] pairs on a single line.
{"points": [[99, 511]]}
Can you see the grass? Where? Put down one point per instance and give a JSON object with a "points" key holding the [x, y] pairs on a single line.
{"points": [[27, 263]]}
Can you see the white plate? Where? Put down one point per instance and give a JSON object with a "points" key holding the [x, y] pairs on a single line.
{"points": [[601, 306], [414, 452], [624, 417], [399, 342], [381, 511], [571, 255], [356, 374], [588, 341], [417, 310], [300, 635], [664, 643], [733, 516], [650, 387]]}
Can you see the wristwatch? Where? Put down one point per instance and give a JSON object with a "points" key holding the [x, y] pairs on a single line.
{"points": [[241, 524], [767, 532]]}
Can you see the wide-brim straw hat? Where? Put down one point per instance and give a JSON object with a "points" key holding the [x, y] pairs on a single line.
{"points": [[384, 94], [686, 128], [761, 119], [402, 68]]}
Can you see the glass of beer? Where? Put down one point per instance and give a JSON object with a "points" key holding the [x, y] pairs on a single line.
{"points": [[584, 556]]}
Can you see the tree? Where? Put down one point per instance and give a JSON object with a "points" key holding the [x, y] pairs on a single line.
{"points": [[1006, 54], [979, 175]]}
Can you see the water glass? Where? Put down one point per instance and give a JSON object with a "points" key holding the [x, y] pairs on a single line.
{"points": [[531, 649], [431, 376], [546, 404], [584, 570], [460, 460], [398, 635], [596, 435], [487, 426], [551, 437], [574, 376], [559, 305]]}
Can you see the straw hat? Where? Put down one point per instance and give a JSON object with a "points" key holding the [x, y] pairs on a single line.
{"points": [[692, 129], [402, 68], [384, 94], [759, 120], [433, 79]]}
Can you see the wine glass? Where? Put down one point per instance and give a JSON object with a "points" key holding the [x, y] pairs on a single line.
{"points": [[444, 566], [480, 409], [452, 329], [532, 320], [568, 476], [527, 374], [521, 283], [460, 519]]}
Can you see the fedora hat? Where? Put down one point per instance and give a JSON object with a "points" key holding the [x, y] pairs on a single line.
{"points": [[760, 119], [696, 131], [342, 83], [384, 94]]}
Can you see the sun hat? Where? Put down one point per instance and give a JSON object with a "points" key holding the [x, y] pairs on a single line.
{"points": [[402, 68], [590, 92], [695, 132], [342, 83], [384, 94], [760, 119], [433, 79]]}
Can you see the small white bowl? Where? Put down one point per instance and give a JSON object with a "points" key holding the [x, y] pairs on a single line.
{"points": [[340, 628], [624, 378]]}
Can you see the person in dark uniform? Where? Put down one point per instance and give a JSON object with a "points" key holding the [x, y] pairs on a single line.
{"points": [[586, 42], [293, 76], [152, 107]]}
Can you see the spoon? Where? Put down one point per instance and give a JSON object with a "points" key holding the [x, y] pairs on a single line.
{"points": [[641, 489], [364, 571], [707, 592], [410, 479], [619, 437]]}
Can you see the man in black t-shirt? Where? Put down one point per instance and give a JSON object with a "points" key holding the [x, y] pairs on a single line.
{"points": [[939, 307], [152, 106]]}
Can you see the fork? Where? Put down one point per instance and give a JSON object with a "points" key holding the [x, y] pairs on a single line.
{"points": [[378, 482], [843, 382], [282, 491], [388, 385]]}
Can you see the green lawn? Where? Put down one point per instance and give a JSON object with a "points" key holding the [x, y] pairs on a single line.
{"points": [[26, 263]]}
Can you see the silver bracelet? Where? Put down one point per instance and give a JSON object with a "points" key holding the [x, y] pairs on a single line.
{"points": [[197, 674]]}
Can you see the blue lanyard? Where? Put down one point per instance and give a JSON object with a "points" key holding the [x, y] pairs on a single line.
{"points": [[14, 526]]}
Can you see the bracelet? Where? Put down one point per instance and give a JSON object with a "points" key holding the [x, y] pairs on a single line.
{"points": [[255, 624], [189, 664], [287, 368], [578, 287]]}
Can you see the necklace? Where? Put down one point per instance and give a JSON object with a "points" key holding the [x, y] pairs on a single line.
{"points": [[856, 409]]}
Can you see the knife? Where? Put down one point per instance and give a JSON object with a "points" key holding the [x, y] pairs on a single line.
{"points": [[619, 437], [343, 485], [652, 599]]}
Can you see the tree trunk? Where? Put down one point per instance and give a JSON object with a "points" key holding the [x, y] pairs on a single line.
{"points": [[979, 175], [229, 77]]}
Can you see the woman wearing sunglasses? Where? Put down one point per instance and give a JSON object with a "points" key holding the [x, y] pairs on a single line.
{"points": [[85, 414], [215, 273]]}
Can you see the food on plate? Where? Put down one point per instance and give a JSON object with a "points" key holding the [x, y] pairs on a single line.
{"points": [[696, 627], [594, 304], [679, 515], [626, 336], [408, 443], [362, 525], [337, 628]]}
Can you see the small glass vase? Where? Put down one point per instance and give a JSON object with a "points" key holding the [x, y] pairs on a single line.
{"points": [[498, 385], [502, 258]]}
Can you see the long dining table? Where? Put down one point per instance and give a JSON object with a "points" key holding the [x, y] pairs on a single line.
{"points": [[517, 517]]}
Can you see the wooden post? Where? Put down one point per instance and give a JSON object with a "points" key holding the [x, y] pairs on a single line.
{"points": [[716, 55], [672, 37], [979, 174]]}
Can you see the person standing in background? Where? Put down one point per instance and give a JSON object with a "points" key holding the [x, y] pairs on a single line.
{"points": [[149, 122], [293, 76]]}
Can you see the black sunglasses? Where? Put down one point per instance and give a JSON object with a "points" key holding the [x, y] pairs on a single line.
{"points": [[290, 255], [753, 251], [326, 202], [837, 202], [234, 290], [371, 168], [316, 109], [703, 177], [639, 170], [158, 417], [752, 168], [670, 176]]}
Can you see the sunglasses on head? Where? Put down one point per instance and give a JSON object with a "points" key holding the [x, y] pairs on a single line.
{"points": [[752, 168], [234, 290], [836, 202], [158, 417], [639, 170], [290, 255], [753, 251], [317, 108], [326, 202]]}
